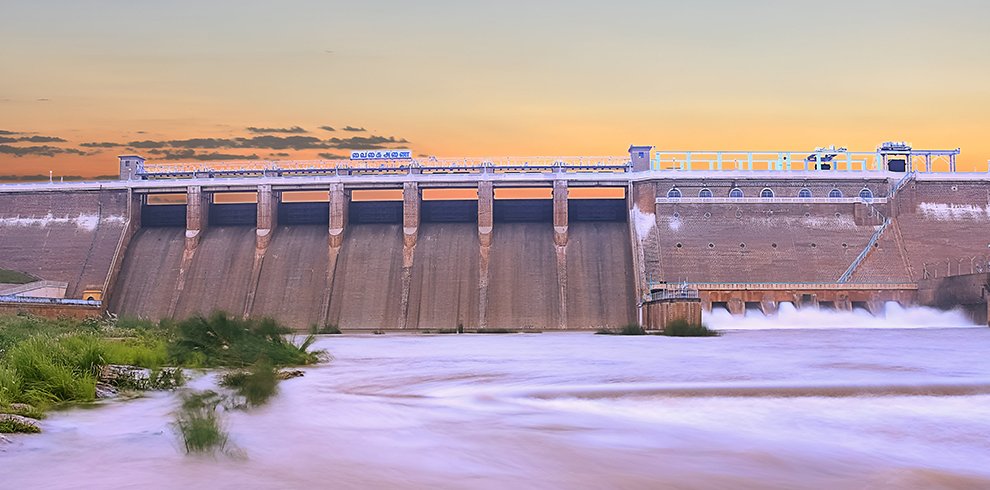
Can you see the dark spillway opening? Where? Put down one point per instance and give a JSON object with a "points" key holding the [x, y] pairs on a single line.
{"points": [[304, 213], [163, 215], [375, 212], [240, 214], [465, 211], [522, 211], [596, 210]]}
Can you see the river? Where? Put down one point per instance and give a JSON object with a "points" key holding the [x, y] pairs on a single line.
{"points": [[877, 406]]}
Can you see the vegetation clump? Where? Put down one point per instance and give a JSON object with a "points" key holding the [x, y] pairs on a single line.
{"points": [[16, 423], [681, 328], [628, 329], [254, 386], [46, 362], [221, 340], [329, 329], [14, 277], [199, 423]]}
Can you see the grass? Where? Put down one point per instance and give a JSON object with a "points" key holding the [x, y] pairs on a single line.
{"points": [[9, 425], [220, 340], [254, 386], [15, 277], [199, 424], [45, 362], [629, 329], [324, 330], [681, 328]]}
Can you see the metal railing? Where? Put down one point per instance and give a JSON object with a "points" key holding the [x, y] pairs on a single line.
{"points": [[787, 160], [777, 286], [669, 294], [49, 301], [844, 278], [263, 168]]}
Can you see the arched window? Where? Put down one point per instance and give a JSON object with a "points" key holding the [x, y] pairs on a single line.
{"points": [[706, 192], [766, 192], [736, 192], [805, 192], [866, 194], [674, 192], [834, 193]]}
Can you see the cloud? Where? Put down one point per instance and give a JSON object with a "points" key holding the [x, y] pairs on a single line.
{"points": [[292, 130], [42, 139], [366, 142], [40, 151], [32, 139], [333, 156], [327, 128], [43, 100], [271, 142], [3, 131], [353, 129], [279, 155], [193, 155]]}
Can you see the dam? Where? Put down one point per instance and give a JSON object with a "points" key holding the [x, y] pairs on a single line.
{"points": [[513, 244]]}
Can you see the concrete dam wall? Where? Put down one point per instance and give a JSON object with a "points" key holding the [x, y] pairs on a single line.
{"points": [[378, 276], [62, 236], [551, 260]]}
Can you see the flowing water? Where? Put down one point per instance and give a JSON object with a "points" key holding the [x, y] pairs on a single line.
{"points": [[782, 408]]}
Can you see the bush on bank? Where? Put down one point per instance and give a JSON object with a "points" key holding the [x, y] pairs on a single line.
{"points": [[681, 328]]}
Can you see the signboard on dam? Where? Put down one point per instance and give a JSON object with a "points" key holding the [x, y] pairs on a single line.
{"points": [[381, 155]]}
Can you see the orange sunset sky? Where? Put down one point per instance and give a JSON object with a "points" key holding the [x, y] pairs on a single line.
{"points": [[184, 81]]}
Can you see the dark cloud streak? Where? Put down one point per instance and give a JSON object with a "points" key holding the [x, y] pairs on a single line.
{"points": [[292, 130]]}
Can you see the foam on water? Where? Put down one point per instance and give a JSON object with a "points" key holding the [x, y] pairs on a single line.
{"points": [[789, 317]]}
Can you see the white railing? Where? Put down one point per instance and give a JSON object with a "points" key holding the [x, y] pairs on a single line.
{"points": [[48, 301], [777, 200]]}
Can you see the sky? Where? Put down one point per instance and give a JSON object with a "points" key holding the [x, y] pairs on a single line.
{"points": [[81, 82]]}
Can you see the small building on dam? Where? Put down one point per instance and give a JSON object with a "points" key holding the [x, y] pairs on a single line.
{"points": [[384, 241]]}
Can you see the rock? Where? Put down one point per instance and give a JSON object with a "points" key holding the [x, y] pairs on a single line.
{"points": [[105, 390], [4, 440], [21, 407], [123, 376], [168, 379], [289, 374], [17, 423]]}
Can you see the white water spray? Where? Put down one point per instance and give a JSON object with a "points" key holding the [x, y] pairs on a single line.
{"points": [[789, 317]]}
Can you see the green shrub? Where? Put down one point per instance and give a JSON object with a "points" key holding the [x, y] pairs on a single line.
{"points": [[330, 329], [224, 341], [681, 328], [199, 424], [51, 371], [22, 409], [10, 425], [254, 386], [629, 329]]}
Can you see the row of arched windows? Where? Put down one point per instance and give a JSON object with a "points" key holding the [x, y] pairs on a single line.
{"points": [[865, 194]]}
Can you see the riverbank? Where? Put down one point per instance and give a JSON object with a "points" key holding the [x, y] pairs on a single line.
{"points": [[47, 363]]}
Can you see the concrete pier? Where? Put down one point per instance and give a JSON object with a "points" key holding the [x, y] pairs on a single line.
{"points": [[339, 203], [267, 215], [486, 200], [411, 199], [197, 215], [560, 235]]}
